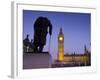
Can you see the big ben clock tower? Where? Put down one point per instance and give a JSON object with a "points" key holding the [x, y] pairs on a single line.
{"points": [[60, 45]]}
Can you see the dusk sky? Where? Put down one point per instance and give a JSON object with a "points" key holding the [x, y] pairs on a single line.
{"points": [[76, 28]]}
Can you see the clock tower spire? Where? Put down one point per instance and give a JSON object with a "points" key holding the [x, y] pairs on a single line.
{"points": [[61, 45]]}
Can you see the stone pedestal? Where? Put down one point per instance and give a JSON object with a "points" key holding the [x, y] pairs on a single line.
{"points": [[36, 60]]}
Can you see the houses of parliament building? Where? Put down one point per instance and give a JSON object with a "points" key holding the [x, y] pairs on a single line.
{"points": [[81, 59]]}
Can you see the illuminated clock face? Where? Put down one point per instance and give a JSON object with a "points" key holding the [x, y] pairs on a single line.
{"points": [[60, 38]]}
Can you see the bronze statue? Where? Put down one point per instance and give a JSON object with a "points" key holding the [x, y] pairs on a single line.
{"points": [[41, 26]]}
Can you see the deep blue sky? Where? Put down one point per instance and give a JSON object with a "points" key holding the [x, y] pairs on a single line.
{"points": [[75, 26]]}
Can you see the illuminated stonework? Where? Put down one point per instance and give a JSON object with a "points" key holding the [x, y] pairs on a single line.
{"points": [[80, 59], [60, 46]]}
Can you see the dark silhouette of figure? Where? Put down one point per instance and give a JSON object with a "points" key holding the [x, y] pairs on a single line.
{"points": [[26, 43], [26, 40], [41, 26]]}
